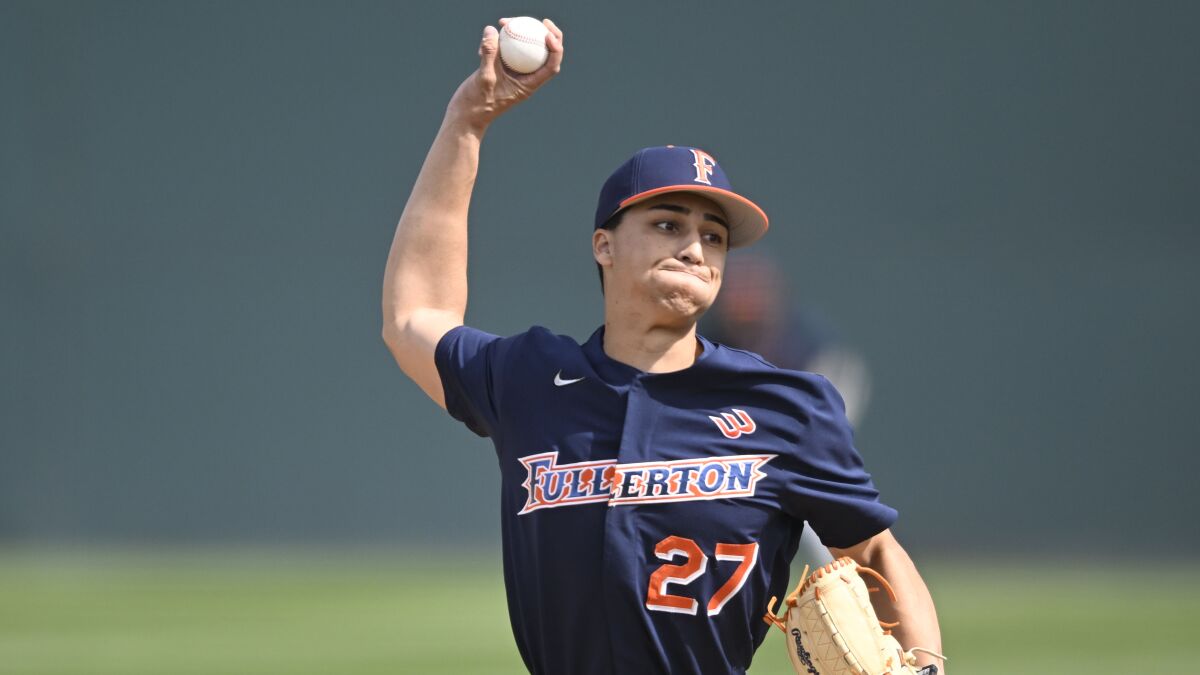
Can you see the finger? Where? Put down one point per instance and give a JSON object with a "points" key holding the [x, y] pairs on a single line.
{"points": [[489, 46], [553, 43], [554, 47], [553, 28], [539, 77], [504, 21]]}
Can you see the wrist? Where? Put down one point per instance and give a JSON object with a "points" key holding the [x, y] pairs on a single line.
{"points": [[460, 123]]}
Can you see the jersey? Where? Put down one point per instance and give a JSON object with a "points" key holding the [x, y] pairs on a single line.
{"points": [[648, 518]]}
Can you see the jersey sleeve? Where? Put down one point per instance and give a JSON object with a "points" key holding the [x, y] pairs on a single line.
{"points": [[470, 363], [827, 483]]}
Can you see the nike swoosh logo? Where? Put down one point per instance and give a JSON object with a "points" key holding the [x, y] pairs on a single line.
{"points": [[560, 382]]}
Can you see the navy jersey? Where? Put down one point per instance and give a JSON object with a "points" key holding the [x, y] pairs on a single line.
{"points": [[648, 518]]}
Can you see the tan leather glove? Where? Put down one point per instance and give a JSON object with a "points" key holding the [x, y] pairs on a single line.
{"points": [[832, 628]]}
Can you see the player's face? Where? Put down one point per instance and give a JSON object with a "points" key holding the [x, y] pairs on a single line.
{"points": [[669, 250]]}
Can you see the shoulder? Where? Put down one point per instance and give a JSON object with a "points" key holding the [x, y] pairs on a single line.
{"points": [[542, 336], [541, 342], [534, 337], [798, 393], [522, 351], [732, 356], [747, 365]]}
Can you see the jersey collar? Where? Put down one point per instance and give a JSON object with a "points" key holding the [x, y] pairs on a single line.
{"points": [[618, 374]]}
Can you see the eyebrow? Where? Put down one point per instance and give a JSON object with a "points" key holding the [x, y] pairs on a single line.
{"points": [[675, 208]]}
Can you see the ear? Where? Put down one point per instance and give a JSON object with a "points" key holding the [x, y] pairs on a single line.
{"points": [[602, 242]]}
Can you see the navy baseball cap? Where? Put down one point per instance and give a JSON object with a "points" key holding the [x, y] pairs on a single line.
{"points": [[678, 168]]}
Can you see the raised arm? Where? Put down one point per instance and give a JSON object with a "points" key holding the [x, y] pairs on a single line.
{"points": [[425, 283], [914, 606]]}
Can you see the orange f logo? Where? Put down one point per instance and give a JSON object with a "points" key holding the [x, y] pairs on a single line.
{"points": [[704, 165]]}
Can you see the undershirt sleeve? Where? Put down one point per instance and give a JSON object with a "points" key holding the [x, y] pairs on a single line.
{"points": [[827, 484]]}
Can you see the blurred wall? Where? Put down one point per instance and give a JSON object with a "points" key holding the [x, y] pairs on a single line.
{"points": [[996, 202]]}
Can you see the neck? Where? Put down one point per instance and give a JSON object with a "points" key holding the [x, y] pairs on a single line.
{"points": [[648, 345]]}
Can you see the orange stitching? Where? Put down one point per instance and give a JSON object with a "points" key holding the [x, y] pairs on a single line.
{"points": [[819, 573], [773, 619], [881, 580], [806, 580], [791, 598]]}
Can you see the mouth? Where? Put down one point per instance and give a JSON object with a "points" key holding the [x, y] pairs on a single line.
{"points": [[701, 277]]}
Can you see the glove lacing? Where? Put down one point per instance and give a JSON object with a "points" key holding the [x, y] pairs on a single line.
{"points": [[777, 620]]}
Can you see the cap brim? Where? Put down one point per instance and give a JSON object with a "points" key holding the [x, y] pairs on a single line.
{"points": [[747, 222]]}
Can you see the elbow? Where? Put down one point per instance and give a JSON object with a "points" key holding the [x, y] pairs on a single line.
{"points": [[394, 332], [394, 336], [415, 333], [390, 334]]}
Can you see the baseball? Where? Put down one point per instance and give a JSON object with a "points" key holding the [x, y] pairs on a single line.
{"points": [[523, 44]]}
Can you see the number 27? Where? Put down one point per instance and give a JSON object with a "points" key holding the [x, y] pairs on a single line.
{"points": [[694, 565]]}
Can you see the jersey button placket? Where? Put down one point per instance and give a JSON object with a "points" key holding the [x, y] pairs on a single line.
{"points": [[624, 558]]}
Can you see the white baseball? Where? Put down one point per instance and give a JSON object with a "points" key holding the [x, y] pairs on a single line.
{"points": [[523, 44]]}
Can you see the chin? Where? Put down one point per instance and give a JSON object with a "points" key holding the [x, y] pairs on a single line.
{"points": [[673, 297], [685, 303]]}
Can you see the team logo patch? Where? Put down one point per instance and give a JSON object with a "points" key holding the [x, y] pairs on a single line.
{"points": [[550, 485], [735, 424], [704, 166]]}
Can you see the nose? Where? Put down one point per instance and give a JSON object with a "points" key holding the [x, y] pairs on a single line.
{"points": [[693, 253]]}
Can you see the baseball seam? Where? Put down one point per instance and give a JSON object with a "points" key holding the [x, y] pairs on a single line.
{"points": [[528, 39]]}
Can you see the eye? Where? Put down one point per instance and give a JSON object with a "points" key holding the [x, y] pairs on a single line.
{"points": [[666, 226], [717, 238]]}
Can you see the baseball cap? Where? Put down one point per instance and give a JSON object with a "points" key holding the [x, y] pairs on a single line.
{"points": [[679, 168]]}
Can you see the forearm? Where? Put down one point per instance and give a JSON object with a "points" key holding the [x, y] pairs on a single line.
{"points": [[913, 608], [425, 282], [427, 265]]}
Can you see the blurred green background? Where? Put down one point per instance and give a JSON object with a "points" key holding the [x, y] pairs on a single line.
{"points": [[210, 464], [443, 611]]}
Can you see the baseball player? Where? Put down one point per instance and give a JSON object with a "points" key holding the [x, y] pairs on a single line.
{"points": [[654, 483]]}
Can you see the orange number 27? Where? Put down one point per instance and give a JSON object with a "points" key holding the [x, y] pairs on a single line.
{"points": [[694, 564]]}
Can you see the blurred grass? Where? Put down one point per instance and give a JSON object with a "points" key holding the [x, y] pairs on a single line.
{"points": [[301, 613]]}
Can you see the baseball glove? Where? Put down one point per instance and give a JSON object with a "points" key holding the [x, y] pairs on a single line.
{"points": [[833, 630]]}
